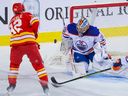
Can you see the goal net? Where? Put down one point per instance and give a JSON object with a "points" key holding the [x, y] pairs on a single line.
{"points": [[111, 19]]}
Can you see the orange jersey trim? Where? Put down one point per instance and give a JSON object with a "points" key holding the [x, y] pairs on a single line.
{"points": [[22, 38], [22, 41], [22, 34], [35, 21], [12, 76], [42, 75], [41, 70]]}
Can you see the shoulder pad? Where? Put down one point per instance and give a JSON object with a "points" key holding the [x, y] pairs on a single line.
{"points": [[72, 29], [92, 31], [27, 13]]}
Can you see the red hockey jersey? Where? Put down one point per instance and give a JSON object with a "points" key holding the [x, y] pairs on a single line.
{"points": [[23, 28]]}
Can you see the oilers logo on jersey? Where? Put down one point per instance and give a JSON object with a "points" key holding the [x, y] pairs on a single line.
{"points": [[81, 45]]}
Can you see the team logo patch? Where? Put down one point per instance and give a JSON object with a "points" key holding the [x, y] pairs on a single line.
{"points": [[81, 45]]}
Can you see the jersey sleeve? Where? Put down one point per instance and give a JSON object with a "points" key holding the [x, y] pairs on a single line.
{"points": [[70, 31], [34, 23], [101, 39], [66, 34]]}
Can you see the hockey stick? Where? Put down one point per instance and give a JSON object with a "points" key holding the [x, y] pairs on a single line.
{"points": [[64, 27], [62, 17], [57, 84]]}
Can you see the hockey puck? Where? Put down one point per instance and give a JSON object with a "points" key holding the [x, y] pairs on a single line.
{"points": [[55, 41]]}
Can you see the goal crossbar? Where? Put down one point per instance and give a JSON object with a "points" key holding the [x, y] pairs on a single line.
{"points": [[95, 6]]}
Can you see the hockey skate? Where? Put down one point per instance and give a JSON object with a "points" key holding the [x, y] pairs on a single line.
{"points": [[11, 87], [46, 90]]}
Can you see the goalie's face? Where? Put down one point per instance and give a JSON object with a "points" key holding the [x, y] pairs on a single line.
{"points": [[82, 25]]}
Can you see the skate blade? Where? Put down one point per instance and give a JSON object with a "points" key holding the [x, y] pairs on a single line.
{"points": [[8, 94]]}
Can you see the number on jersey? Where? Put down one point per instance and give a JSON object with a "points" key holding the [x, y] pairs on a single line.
{"points": [[15, 26]]}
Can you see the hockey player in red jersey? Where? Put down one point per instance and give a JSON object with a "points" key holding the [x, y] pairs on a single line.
{"points": [[24, 32]]}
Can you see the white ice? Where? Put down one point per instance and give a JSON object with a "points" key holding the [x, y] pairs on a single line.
{"points": [[96, 85]]}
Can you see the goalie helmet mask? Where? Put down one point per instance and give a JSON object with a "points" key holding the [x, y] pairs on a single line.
{"points": [[82, 25], [18, 8]]}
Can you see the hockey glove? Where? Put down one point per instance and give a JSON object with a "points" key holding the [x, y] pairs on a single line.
{"points": [[117, 65], [38, 45]]}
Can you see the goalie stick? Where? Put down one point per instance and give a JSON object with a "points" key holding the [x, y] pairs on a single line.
{"points": [[57, 84], [64, 27]]}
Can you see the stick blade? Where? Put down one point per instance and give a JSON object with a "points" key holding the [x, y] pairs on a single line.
{"points": [[54, 82]]}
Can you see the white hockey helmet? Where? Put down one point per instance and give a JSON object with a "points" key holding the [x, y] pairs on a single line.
{"points": [[82, 25]]}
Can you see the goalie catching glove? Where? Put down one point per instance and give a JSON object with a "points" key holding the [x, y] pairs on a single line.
{"points": [[66, 45]]}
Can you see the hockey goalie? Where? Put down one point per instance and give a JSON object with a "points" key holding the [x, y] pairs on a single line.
{"points": [[86, 44]]}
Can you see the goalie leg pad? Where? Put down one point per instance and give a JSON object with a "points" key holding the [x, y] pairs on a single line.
{"points": [[80, 69]]}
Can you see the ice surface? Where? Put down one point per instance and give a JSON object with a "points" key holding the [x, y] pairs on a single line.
{"points": [[96, 85]]}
